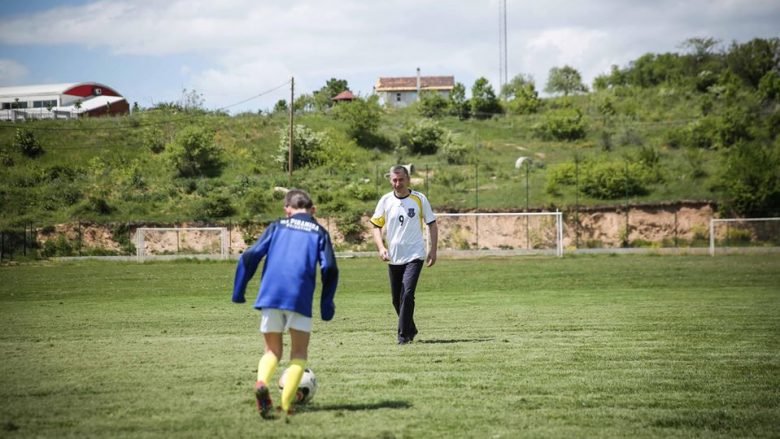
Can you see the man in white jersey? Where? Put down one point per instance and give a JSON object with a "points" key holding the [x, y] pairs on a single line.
{"points": [[403, 213]]}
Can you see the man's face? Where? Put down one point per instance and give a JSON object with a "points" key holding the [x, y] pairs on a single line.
{"points": [[400, 181]]}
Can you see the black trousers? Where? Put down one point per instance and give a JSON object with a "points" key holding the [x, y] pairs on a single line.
{"points": [[403, 283]]}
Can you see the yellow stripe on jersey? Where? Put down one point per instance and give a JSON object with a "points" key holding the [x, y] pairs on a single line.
{"points": [[379, 222], [419, 204]]}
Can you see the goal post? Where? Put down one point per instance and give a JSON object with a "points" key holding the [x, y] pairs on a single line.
{"points": [[530, 231], [182, 242], [744, 232]]}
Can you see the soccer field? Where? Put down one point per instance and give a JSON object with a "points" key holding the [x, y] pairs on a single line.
{"points": [[585, 346]]}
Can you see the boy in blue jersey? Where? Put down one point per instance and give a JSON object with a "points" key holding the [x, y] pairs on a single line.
{"points": [[292, 247]]}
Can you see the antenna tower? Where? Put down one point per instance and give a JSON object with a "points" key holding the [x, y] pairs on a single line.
{"points": [[502, 47]]}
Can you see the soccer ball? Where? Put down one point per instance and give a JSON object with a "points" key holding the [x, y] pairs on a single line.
{"points": [[306, 389]]}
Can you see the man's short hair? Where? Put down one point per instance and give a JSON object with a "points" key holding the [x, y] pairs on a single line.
{"points": [[397, 169], [298, 199]]}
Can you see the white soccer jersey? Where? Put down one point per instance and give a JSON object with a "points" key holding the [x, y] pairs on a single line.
{"points": [[403, 219]]}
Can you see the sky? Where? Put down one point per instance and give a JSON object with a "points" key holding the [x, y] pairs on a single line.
{"points": [[240, 54]]}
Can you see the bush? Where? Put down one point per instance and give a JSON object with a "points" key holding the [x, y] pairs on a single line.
{"points": [[258, 201], [153, 139], [563, 124], [193, 153], [94, 204], [424, 137], [26, 142], [456, 153], [564, 174], [432, 104], [308, 147], [362, 117], [214, 206], [613, 180], [751, 179]]}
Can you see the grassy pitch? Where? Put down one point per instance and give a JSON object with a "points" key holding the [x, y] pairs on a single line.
{"points": [[587, 346]]}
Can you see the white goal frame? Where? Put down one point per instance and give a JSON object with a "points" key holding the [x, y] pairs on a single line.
{"points": [[714, 221], [557, 215], [224, 241]]}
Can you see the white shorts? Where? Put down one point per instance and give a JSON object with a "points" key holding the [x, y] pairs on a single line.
{"points": [[279, 320]]}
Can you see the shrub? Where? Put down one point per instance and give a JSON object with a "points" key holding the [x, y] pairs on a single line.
{"points": [[362, 117], [193, 153], [258, 201], [562, 124], [308, 147], [613, 180], [733, 126], [751, 179], [214, 206], [153, 139], [424, 137], [26, 142], [456, 153], [94, 204], [564, 174], [431, 104]]}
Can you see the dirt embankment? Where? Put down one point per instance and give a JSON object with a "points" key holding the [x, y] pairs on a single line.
{"points": [[661, 224]]}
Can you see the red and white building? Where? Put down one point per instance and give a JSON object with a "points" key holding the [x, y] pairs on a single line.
{"points": [[60, 101]]}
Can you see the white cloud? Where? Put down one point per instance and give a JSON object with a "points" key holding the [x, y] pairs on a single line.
{"points": [[12, 72], [241, 47]]}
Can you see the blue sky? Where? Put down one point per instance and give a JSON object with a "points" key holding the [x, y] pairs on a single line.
{"points": [[230, 50]]}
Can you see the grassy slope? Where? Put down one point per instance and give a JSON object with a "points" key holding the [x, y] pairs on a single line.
{"points": [[598, 346], [105, 153]]}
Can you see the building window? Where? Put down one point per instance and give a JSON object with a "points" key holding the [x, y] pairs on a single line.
{"points": [[398, 97], [44, 104]]}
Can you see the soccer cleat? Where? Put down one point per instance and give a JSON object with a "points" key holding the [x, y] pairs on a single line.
{"points": [[264, 403]]}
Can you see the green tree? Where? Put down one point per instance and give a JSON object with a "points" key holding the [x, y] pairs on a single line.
{"points": [[566, 80], [751, 178], [362, 117], [484, 103], [323, 97], [458, 105], [280, 106], [752, 60], [521, 95], [193, 153]]}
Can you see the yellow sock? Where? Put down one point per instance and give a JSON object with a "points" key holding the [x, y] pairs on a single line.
{"points": [[293, 377], [266, 367]]}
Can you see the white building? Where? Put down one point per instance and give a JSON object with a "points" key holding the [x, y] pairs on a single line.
{"points": [[403, 91], [60, 101]]}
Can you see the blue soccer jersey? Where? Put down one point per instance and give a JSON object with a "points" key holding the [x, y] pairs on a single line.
{"points": [[293, 247]]}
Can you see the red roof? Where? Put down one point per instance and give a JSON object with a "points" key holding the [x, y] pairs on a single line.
{"points": [[345, 95], [410, 83]]}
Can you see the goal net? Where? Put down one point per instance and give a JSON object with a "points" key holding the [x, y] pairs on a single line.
{"points": [[181, 242], [527, 232], [742, 234]]}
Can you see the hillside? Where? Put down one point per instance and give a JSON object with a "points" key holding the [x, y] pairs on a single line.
{"points": [[675, 138]]}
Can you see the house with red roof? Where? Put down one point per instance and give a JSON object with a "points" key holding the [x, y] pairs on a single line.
{"points": [[403, 91]]}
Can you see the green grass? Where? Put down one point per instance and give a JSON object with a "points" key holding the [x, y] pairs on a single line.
{"points": [[586, 346]]}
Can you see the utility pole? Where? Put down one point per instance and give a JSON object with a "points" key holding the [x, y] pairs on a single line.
{"points": [[292, 119]]}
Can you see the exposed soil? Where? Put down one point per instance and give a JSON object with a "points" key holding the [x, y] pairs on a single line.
{"points": [[593, 227]]}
